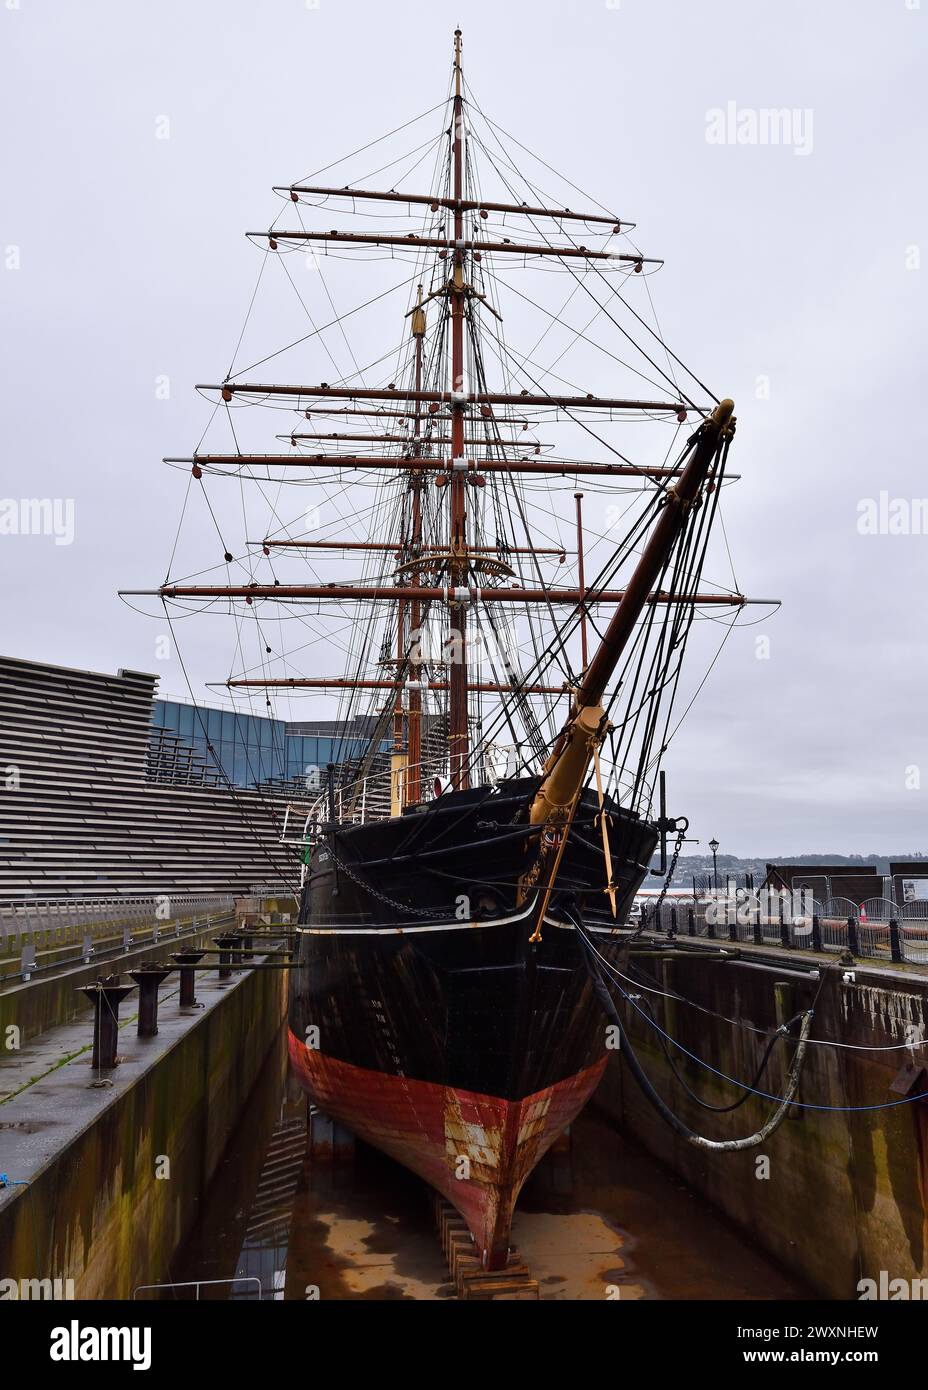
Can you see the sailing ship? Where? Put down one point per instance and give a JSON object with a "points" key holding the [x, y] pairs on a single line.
{"points": [[511, 726]]}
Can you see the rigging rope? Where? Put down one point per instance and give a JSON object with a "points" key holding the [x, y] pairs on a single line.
{"points": [[751, 1141]]}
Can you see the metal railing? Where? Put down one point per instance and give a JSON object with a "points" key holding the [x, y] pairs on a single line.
{"points": [[48, 934], [148, 1292], [39, 914], [877, 929]]}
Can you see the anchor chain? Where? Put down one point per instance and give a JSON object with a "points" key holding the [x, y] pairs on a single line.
{"points": [[681, 836], [430, 914]]}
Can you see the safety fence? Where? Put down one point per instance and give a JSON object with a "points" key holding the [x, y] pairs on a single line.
{"points": [[38, 935], [879, 928]]}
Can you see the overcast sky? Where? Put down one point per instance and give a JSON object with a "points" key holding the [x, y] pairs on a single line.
{"points": [[142, 138]]}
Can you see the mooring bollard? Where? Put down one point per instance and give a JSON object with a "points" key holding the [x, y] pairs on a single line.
{"points": [[106, 996], [816, 932], [149, 979], [186, 960], [225, 944], [248, 941], [853, 941], [895, 941]]}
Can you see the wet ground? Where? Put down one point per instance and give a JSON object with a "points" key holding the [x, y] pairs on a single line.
{"points": [[605, 1222]]}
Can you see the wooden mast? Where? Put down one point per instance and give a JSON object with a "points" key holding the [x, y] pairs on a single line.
{"points": [[414, 718], [448, 574], [397, 756], [581, 580], [406, 759], [457, 712]]}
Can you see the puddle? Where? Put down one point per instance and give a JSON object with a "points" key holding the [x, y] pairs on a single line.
{"points": [[604, 1222]]}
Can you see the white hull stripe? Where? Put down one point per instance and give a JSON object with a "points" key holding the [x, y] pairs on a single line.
{"points": [[411, 928]]}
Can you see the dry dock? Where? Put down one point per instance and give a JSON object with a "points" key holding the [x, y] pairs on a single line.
{"points": [[107, 1169], [187, 1170]]}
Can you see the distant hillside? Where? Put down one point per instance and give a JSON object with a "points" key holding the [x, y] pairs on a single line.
{"points": [[700, 865]]}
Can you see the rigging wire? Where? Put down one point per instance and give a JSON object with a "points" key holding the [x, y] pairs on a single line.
{"points": [[764, 1095], [654, 659], [773, 1121]]}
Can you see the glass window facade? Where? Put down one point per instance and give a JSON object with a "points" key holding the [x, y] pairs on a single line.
{"points": [[250, 749]]}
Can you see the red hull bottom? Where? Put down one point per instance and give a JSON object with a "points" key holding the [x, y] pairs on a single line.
{"points": [[476, 1150]]}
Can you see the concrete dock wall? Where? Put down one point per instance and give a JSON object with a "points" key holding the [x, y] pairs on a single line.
{"points": [[835, 1195], [111, 1207]]}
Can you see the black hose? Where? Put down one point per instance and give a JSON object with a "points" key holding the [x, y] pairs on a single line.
{"points": [[781, 1032], [644, 1082]]}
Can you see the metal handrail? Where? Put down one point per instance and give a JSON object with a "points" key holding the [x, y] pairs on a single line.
{"points": [[29, 966], [199, 1284]]}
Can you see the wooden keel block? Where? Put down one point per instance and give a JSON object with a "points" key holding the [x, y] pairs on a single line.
{"points": [[470, 1279]]}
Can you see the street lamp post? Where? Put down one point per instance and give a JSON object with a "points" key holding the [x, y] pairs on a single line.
{"points": [[714, 846]]}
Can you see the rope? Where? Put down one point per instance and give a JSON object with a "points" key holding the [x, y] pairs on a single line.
{"points": [[750, 1141]]}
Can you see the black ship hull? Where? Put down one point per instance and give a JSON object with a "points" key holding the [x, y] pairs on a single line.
{"points": [[421, 1015]]}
